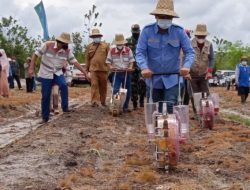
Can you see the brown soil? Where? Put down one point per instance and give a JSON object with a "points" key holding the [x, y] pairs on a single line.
{"points": [[91, 150]]}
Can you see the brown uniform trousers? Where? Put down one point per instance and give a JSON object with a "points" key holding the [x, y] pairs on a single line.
{"points": [[95, 58]]}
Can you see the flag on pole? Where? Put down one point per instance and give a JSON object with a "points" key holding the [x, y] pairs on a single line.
{"points": [[39, 8]]}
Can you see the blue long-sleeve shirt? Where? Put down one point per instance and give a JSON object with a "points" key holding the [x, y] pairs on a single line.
{"points": [[160, 52]]}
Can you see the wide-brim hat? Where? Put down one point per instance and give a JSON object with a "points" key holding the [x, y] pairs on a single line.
{"points": [[64, 37], [119, 39], [95, 33], [244, 58], [201, 30], [165, 7]]}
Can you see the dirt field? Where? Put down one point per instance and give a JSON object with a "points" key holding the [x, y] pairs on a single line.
{"points": [[91, 150]]}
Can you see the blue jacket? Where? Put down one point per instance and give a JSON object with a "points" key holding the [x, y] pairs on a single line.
{"points": [[242, 74], [161, 53]]}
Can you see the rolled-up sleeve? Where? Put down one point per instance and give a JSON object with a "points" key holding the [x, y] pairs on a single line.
{"points": [[189, 53], [71, 58], [141, 51]]}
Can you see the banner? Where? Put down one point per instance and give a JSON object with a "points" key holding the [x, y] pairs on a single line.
{"points": [[39, 8]]}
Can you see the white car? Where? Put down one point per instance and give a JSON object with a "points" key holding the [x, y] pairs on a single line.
{"points": [[224, 76], [78, 77]]}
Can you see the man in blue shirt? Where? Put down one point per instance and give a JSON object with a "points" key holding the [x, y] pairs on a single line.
{"points": [[158, 51], [242, 75]]}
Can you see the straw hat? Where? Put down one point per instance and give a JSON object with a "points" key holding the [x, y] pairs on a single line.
{"points": [[244, 58], [201, 30], [119, 39], [64, 37], [165, 7], [95, 33]]}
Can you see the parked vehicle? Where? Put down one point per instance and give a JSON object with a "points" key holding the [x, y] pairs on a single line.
{"points": [[78, 77], [221, 77]]}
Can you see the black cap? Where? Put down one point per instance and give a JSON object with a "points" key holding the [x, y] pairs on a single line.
{"points": [[135, 28]]}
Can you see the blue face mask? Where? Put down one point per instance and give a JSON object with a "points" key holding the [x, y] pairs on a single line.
{"points": [[164, 23]]}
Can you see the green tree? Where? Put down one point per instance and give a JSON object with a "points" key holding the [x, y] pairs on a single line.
{"points": [[15, 40], [77, 46], [90, 21], [228, 54]]}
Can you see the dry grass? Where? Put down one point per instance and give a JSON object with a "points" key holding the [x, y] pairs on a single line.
{"points": [[68, 181], [21, 97], [124, 186], [146, 176], [87, 172], [137, 161]]}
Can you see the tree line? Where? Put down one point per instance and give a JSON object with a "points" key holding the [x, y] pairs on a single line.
{"points": [[15, 41]]}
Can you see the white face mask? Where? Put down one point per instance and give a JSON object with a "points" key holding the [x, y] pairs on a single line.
{"points": [[96, 40], [119, 47], [244, 63], [164, 23], [200, 41]]}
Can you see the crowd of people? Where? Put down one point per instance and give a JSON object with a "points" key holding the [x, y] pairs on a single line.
{"points": [[161, 54]]}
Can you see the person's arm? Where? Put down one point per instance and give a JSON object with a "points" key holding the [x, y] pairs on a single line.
{"points": [[87, 61], [211, 59], [141, 51], [38, 53], [32, 64], [109, 60], [72, 60], [131, 60], [141, 55], [188, 51], [237, 74], [189, 55]]}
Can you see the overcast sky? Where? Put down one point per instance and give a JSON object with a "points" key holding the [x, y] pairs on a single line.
{"points": [[228, 19]]}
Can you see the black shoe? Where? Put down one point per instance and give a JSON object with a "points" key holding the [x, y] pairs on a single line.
{"points": [[67, 111]]}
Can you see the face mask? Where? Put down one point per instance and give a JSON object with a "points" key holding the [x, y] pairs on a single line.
{"points": [[65, 46], [164, 23], [119, 47], [96, 40], [244, 63], [200, 41]]}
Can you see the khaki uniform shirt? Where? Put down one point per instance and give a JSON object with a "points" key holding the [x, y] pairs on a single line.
{"points": [[95, 57]]}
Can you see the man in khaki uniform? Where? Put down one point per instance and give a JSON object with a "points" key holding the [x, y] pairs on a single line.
{"points": [[203, 65], [95, 57]]}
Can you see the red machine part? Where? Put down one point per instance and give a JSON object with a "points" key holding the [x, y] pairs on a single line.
{"points": [[207, 113]]}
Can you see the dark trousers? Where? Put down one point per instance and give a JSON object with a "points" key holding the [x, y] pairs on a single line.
{"points": [[46, 94], [16, 77], [11, 82], [166, 95], [120, 81], [198, 85], [29, 84]]}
